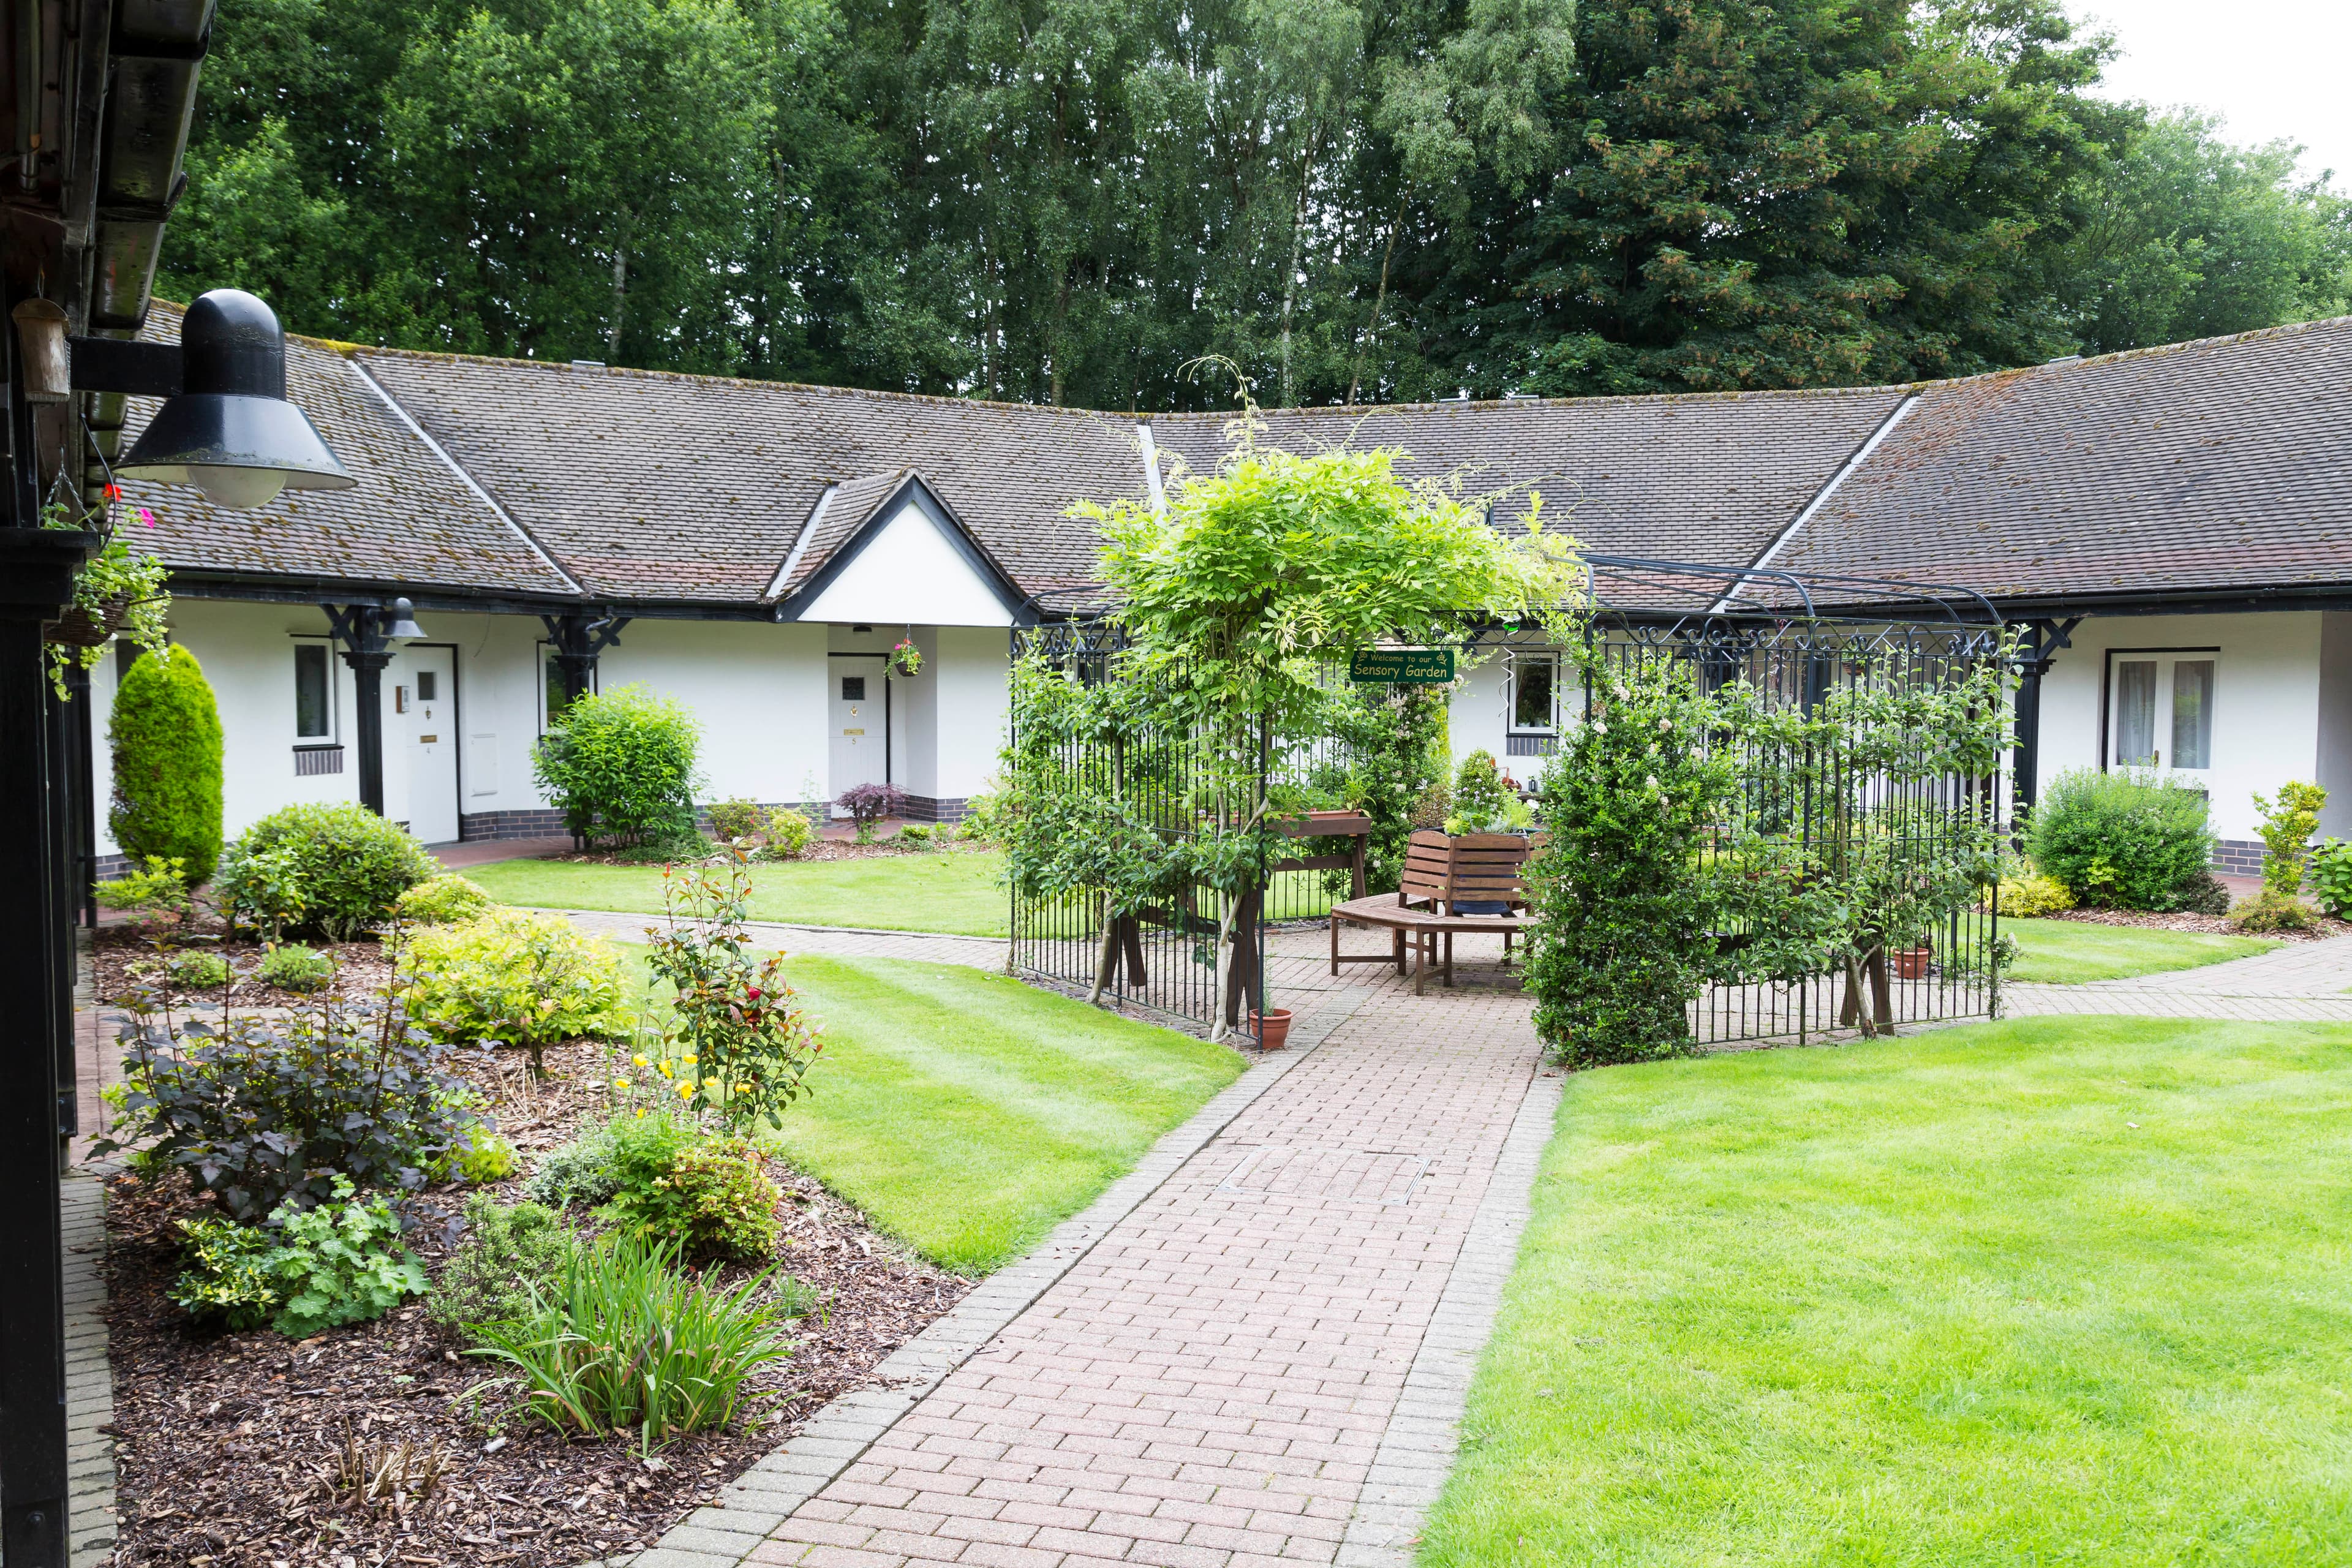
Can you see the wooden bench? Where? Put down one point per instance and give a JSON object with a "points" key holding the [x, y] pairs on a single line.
{"points": [[1441, 873]]}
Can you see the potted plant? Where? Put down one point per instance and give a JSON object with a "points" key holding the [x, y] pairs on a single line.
{"points": [[116, 594], [906, 657], [1484, 800]]}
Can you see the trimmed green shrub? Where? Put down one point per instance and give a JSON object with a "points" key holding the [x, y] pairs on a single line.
{"points": [[735, 818], [329, 871], [509, 1255], [166, 734], [579, 1173], [446, 899], [2026, 897], [2331, 875], [199, 971], [2129, 840], [2288, 822], [712, 1197], [623, 1338], [620, 766], [1625, 939], [517, 978], [2272, 911], [296, 968], [788, 833]]}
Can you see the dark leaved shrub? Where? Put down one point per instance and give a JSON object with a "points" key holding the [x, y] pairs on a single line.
{"points": [[868, 803], [165, 734], [261, 1111], [2123, 840]]}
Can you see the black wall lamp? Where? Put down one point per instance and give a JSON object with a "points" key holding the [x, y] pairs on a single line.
{"points": [[226, 427]]}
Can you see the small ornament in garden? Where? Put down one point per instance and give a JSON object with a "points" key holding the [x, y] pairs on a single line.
{"points": [[906, 657]]}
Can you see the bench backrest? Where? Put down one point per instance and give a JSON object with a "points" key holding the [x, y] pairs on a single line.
{"points": [[1476, 867]]}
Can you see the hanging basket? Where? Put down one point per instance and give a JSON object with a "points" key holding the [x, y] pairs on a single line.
{"points": [[83, 625]]}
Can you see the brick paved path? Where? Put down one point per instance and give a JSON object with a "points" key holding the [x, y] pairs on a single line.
{"points": [[2305, 981], [1214, 1379]]}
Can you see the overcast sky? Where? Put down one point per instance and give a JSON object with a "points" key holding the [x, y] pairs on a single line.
{"points": [[2271, 68]]}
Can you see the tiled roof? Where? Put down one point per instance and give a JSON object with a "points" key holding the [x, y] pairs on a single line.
{"points": [[2210, 465], [1708, 478], [849, 509], [410, 520], [654, 485]]}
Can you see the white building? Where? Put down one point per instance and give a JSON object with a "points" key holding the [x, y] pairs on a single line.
{"points": [[2173, 525]]}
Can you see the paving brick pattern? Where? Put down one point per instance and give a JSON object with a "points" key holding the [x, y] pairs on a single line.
{"points": [[1211, 1383]]}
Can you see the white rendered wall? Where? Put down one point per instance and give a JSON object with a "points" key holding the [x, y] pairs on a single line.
{"points": [[974, 670], [758, 688], [2336, 721], [246, 653], [910, 572], [2266, 702]]}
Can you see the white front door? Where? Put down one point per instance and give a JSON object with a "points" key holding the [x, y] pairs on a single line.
{"points": [[2160, 708], [860, 723], [424, 704]]}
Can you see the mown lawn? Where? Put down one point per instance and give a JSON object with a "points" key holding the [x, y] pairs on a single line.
{"points": [[955, 891], [2069, 952], [2050, 1292], [969, 1113]]}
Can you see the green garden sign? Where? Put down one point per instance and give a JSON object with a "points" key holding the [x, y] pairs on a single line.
{"points": [[1403, 666]]}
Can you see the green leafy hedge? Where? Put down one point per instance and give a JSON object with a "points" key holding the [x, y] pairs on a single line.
{"points": [[166, 734], [2129, 840], [332, 870], [620, 765]]}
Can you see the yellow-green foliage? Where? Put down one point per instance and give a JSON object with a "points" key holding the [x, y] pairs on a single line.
{"points": [[446, 899], [165, 734], [517, 978], [2023, 898], [2288, 823]]}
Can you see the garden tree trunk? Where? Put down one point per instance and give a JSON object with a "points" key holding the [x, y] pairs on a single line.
{"points": [[1222, 1018], [1879, 1018], [1241, 969], [1109, 949]]}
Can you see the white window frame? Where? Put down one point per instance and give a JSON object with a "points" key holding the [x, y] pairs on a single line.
{"points": [[333, 734], [2110, 721], [1550, 659]]}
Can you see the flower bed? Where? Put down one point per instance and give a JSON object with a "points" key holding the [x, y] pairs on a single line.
{"points": [[361, 968], [231, 1444], [2322, 927]]}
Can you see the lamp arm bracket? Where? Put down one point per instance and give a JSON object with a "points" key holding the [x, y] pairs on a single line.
{"points": [[126, 365]]}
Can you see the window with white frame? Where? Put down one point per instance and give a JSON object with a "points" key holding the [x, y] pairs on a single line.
{"points": [[1535, 694], [314, 693]]}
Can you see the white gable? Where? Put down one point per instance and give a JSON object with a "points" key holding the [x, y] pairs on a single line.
{"points": [[910, 572]]}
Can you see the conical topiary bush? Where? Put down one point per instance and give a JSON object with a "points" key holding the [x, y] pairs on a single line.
{"points": [[166, 737]]}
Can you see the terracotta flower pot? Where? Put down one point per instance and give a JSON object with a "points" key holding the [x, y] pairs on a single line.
{"points": [[1910, 963], [1273, 1026]]}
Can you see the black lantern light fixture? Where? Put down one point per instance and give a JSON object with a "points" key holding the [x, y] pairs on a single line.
{"points": [[400, 628], [226, 427]]}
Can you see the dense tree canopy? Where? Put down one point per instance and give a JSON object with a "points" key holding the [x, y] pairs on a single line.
{"points": [[1068, 200]]}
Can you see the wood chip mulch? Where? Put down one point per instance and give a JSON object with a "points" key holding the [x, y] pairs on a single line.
{"points": [[235, 1449], [2322, 926], [122, 956]]}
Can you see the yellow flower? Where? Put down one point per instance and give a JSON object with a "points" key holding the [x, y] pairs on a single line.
{"points": [[620, 1083], [689, 1060], [710, 1083], [742, 1089], [686, 1092], [662, 1069], [640, 1061]]}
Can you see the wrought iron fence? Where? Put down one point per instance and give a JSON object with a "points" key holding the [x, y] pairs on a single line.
{"points": [[1832, 807], [1165, 957], [1792, 640]]}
